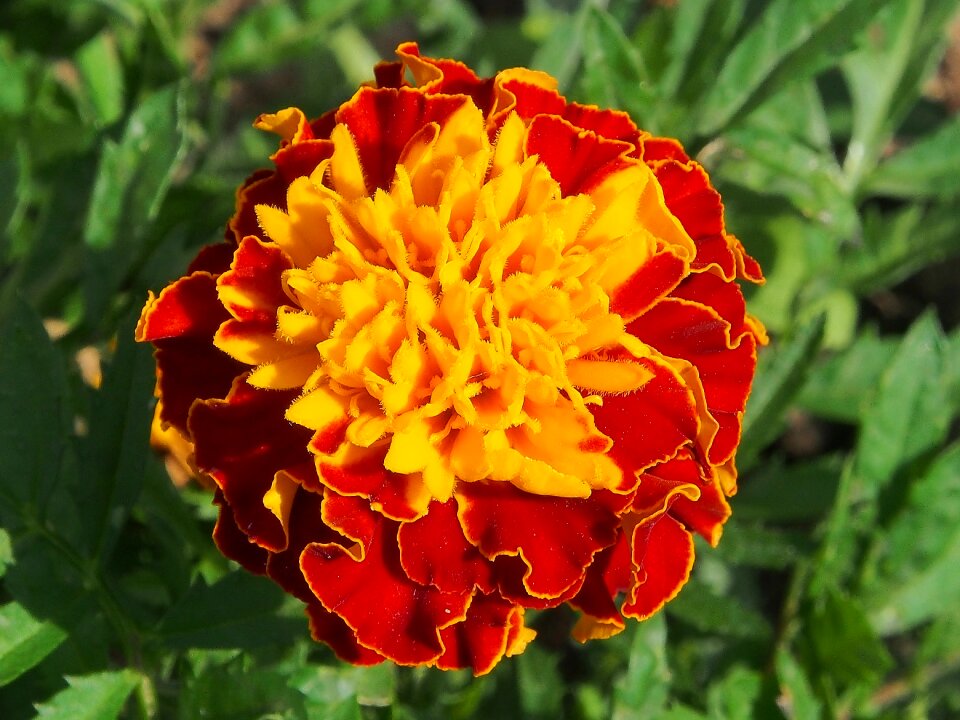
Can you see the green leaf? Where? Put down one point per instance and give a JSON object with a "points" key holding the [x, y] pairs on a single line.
{"points": [[540, 683], [792, 493], [703, 608], [642, 691], [613, 73], [238, 611], [771, 163], [101, 72], [796, 696], [116, 444], [839, 387], [735, 695], [792, 41], [100, 696], [24, 641], [32, 400], [6, 552], [757, 546], [884, 75], [842, 642], [925, 168], [779, 377], [135, 173], [915, 576], [907, 416], [897, 245]]}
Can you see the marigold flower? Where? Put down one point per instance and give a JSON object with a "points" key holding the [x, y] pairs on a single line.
{"points": [[468, 349]]}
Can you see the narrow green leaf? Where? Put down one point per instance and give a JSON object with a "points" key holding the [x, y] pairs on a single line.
{"points": [[561, 52], [32, 399], [101, 72], [24, 641], [540, 683], [115, 447], [642, 691], [917, 557], [6, 552], [907, 416], [886, 73], [100, 696], [796, 698], [238, 611], [790, 42], [926, 168], [779, 377], [757, 546], [613, 72]]}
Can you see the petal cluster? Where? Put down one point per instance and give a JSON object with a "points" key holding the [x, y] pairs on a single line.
{"points": [[467, 349]]}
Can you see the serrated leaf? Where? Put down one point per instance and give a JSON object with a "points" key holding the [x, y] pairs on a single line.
{"points": [[791, 41], [24, 641], [134, 173], [32, 399], [757, 546], [926, 167], [897, 245], [100, 696], [613, 73], [772, 163], [844, 645], [838, 387], [115, 447], [779, 377], [698, 605], [796, 697], [642, 691], [794, 493], [917, 556], [907, 416], [238, 611]]}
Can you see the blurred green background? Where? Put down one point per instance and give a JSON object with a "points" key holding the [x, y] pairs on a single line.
{"points": [[830, 127]]}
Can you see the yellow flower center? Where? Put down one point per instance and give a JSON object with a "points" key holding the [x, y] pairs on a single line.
{"points": [[462, 317]]}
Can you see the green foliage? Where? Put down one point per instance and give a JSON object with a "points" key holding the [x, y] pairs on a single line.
{"points": [[124, 129]]}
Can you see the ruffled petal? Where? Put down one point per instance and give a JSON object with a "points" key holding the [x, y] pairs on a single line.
{"points": [[662, 555]]}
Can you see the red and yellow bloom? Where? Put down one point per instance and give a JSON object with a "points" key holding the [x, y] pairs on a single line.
{"points": [[468, 349]]}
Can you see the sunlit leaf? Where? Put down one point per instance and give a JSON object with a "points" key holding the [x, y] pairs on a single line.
{"points": [[100, 696], [24, 641]]}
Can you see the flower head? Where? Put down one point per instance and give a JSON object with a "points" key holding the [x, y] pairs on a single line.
{"points": [[468, 349]]}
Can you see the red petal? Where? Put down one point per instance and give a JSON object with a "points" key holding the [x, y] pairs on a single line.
{"points": [[649, 425], [659, 148], [608, 576], [693, 332], [241, 442], [328, 628], [366, 586], [434, 551], [663, 557], [725, 298], [188, 370], [480, 641], [652, 281], [387, 491], [383, 120], [188, 307], [301, 158], [214, 259], [232, 542], [556, 537], [264, 187], [253, 284], [577, 159], [660, 484]]}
